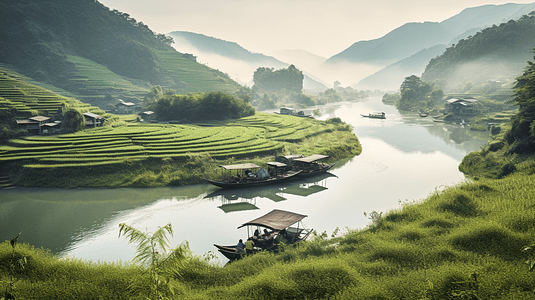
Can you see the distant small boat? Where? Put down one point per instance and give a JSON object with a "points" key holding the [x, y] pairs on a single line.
{"points": [[423, 115], [375, 115]]}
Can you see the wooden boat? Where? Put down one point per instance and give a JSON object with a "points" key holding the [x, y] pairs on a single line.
{"points": [[424, 114], [375, 115], [277, 225], [242, 175], [310, 165]]}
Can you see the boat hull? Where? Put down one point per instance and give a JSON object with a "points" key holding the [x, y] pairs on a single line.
{"points": [[374, 116], [253, 183], [321, 170]]}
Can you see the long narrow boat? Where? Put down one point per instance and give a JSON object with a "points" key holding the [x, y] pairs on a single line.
{"points": [[375, 115], [277, 225], [310, 165], [250, 175]]}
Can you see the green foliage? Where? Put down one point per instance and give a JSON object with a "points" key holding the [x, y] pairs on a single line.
{"points": [[73, 120], [414, 94], [212, 106], [267, 80], [153, 252]]}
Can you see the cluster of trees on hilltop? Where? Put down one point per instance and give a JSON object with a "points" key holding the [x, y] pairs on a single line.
{"points": [[268, 80], [284, 87], [494, 53], [200, 107], [415, 94]]}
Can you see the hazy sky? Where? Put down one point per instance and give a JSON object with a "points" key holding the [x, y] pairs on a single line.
{"points": [[322, 27]]}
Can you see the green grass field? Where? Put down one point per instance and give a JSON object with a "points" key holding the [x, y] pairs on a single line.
{"points": [[464, 242]]}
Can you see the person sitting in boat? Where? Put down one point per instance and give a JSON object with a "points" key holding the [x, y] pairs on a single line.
{"points": [[266, 232], [249, 246], [281, 237], [249, 173], [240, 246]]}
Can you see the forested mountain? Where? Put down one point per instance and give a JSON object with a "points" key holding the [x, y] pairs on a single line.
{"points": [[95, 53], [495, 53], [232, 58], [364, 58]]}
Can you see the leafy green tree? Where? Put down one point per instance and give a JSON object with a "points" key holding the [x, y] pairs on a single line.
{"points": [[521, 137], [268, 80], [73, 120], [153, 252]]}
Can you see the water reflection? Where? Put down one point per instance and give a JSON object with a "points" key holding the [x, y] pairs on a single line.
{"points": [[245, 199]]}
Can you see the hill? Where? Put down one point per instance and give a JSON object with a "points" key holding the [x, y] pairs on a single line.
{"points": [[391, 77], [364, 58], [232, 58], [494, 53], [97, 54], [512, 149]]}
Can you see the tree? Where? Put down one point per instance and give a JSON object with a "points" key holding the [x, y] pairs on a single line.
{"points": [[152, 252], [267, 80], [521, 137], [73, 120]]}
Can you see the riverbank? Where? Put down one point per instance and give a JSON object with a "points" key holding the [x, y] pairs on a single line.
{"points": [[152, 155], [462, 242]]}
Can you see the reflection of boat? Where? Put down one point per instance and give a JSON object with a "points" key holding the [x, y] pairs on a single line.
{"points": [[245, 177], [375, 115], [237, 206], [301, 187], [277, 226], [310, 165]]}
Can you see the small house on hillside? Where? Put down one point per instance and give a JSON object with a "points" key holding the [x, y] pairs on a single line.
{"points": [[51, 128], [462, 106], [189, 56], [93, 120], [146, 115], [125, 107], [33, 125]]}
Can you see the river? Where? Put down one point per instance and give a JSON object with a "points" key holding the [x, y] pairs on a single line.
{"points": [[405, 158]]}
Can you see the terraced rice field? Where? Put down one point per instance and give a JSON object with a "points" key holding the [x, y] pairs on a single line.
{"points": [[261, 133], [30, 100]]}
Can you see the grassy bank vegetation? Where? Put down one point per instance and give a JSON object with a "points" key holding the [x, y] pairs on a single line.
{"points": [[148, 155], [461, 243]]}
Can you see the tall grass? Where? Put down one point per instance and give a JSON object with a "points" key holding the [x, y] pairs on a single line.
{"points": [[461, 243]]}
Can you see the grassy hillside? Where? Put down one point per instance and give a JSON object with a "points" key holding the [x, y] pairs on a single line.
{"points": [[21, 98], [97, 54], [460, 243]]}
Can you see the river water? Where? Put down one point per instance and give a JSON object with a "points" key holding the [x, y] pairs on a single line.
{"points": [[404, 158]]}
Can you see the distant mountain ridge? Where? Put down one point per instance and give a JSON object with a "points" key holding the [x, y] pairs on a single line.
{"points": [[363, 58], [233, 58]]}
